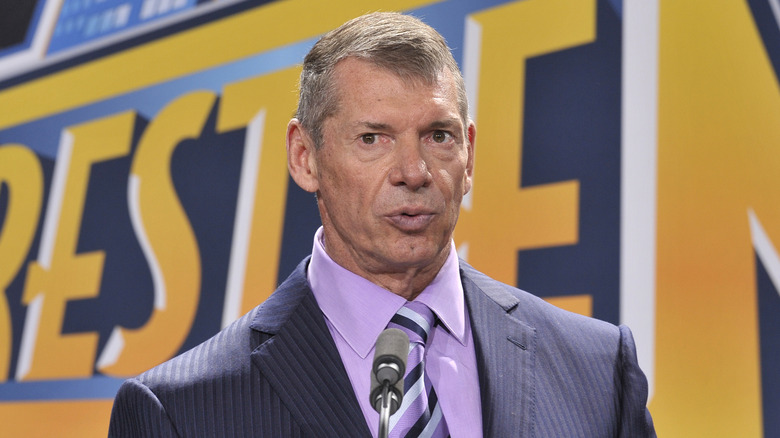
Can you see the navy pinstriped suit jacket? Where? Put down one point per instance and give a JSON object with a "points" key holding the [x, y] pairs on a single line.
{"points": [[276, 372]]}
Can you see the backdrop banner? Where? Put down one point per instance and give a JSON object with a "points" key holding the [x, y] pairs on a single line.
{"points": [[627, 168]]}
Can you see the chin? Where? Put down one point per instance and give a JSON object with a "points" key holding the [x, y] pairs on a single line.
{"points": [[420, 255]]}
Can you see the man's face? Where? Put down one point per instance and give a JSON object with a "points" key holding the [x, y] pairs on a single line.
{"points": [[394, 164]]}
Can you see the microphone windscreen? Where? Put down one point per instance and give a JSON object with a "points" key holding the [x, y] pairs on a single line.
{"points": [[392, 345], [392, 350]]}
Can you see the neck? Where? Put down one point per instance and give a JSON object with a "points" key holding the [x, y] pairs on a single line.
{"points": [[408, 284], [407, 281]]}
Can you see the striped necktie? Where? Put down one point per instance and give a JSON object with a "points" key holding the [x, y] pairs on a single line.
{"points": [[420, 413]]}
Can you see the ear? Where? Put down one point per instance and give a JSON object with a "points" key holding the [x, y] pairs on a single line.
{"points": [[471, 132], [301, 157]]}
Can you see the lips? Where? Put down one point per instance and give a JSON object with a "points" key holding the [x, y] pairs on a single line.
{"points": [[411, 220]]}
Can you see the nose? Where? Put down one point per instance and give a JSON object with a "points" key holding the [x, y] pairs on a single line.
{"points": [[410, 167]]}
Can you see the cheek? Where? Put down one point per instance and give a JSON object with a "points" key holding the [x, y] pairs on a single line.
{"points": [[448, 183], [334, 176], [349, 191], [462, 178], [335, 195]]}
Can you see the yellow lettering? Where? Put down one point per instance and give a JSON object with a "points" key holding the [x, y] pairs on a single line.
{"points": [[21, 171], [263, 105], [167, 239], [718, 137], [60, 275], [502, 218]]}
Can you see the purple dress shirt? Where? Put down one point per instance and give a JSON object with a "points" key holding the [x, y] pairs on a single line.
{"points": [[357, 310]]}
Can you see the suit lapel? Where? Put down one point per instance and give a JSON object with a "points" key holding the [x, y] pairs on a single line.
{"points": [[505, 350], [301, 362]]}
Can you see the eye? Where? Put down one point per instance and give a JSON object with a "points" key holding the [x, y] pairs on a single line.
{"points": [[368, 138], [440, 136]]}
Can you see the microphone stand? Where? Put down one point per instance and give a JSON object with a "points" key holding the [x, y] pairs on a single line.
{"points": [[384, 411]]}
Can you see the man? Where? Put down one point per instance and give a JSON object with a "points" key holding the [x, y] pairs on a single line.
{"points": [[383, 139]]}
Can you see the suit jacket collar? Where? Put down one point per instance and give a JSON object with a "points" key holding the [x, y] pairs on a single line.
{"points": [[506, 348], [298, 357]]}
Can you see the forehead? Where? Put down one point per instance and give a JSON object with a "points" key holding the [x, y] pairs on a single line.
{"points": [[356, 80]]}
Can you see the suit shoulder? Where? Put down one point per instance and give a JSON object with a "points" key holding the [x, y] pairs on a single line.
{"points": [[227, 353], [224, 354], [544, 314], [547, 319]]}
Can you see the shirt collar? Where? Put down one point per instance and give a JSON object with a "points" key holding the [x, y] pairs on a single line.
{"points": [[359, 309]]}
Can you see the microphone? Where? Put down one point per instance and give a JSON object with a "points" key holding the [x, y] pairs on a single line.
{"points": [[387, 383]]}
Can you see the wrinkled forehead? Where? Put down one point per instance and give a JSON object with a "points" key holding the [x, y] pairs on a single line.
{"points": [[351, 70]]}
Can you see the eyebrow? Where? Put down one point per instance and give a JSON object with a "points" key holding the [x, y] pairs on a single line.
{"points": [[374, 126], [446, 123], [437, 124]]}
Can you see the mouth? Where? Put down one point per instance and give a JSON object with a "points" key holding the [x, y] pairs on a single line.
{"points": [[411, 221]]}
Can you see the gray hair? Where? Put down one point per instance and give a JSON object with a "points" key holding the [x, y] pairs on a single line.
{"points": [[402, 44]]}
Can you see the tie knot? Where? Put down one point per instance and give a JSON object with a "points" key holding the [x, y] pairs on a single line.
{"points": [[416, 319]]}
